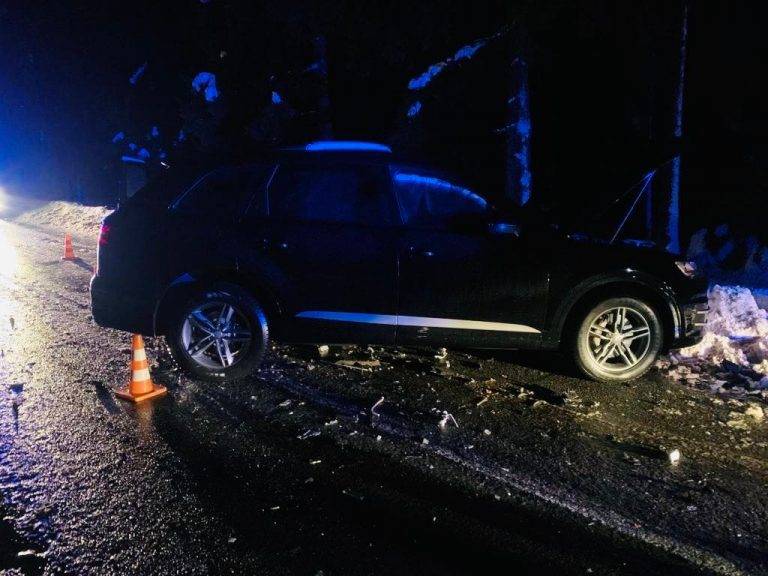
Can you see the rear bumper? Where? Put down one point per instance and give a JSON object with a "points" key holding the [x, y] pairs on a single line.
{"points": [[115, 307]]}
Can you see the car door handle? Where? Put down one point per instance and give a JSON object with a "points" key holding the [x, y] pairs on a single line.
{"points": [[420, 252]]}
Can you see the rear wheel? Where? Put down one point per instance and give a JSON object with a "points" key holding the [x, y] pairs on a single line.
{"points": [[219, 334], [618, 340]]}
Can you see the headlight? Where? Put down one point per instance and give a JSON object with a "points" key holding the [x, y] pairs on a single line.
{"points": [[687, 268]]}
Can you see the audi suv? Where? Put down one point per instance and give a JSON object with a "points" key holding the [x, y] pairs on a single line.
{"points": [[344, 242]]}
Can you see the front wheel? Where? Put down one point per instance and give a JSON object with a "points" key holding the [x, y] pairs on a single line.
{"points": [[618, 340], [219, 334]]}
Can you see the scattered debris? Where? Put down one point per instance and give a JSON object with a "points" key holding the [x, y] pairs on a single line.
{"points": [[323, 350], [364, 365], [732, 357], [308, 434], [442, 354], [315, 462], [28, 552], [752, 415], [487, 432], [755, 412], [483, 401], [17, 394], [447, 417], [378, 403], [674, 456]]}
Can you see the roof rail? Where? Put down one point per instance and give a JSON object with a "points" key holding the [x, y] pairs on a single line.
{"points": [[346, 146]]}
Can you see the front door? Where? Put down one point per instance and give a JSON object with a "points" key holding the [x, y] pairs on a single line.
{"points": [[463, 283]]}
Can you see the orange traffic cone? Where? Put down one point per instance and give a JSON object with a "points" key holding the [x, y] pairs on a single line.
{"points": [[141, 386], [69, 253]]}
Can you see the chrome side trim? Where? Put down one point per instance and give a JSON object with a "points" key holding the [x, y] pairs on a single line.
{"points": [[417, 321]]}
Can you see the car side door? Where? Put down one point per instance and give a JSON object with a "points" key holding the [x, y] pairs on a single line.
{"points": [[464, 280], [328, 249], [201, 220]]}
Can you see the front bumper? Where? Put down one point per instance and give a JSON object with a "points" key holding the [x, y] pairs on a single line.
{"points": [[693, 316]]}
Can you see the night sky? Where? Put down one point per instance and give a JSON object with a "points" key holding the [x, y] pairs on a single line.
{"points": [[602, 88]]}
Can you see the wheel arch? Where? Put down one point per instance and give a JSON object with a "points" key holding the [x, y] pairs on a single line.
{"points": [[187, 283], [592, 291]]}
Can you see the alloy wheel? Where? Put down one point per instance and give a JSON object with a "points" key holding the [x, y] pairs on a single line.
{"points": [[619, 339], [216, 335]]}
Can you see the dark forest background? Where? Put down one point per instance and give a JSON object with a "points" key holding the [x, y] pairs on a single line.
{"points": [[602, 81]]}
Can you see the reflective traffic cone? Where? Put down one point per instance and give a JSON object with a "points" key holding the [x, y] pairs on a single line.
{"points": [[69, 253], [141, 386]]}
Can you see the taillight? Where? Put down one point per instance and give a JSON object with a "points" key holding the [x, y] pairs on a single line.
{"points": [[104, 235]]}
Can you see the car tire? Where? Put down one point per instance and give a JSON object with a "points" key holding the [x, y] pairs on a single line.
{"points": [[219, 334], [618, 340]]}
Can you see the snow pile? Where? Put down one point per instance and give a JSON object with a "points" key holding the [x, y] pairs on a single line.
{"points": [[734, 351], [65, 217]]}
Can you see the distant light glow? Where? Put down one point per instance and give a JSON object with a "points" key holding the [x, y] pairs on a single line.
{"points": [[276, 98], [350, 145], [9, 262]]}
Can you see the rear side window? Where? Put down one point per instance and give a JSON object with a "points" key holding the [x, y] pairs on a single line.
{"points": [[355, 194], [427, 200], [226, 193]]}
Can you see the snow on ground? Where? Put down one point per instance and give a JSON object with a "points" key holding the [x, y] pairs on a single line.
{"points": [[733, 355], [65, 217]]}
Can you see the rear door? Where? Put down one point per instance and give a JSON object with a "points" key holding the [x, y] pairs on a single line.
{"points": [[462, 281], [328, 250], [202, 220]]}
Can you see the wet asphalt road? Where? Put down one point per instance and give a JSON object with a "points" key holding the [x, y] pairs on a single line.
{"points": [[293, 472]]}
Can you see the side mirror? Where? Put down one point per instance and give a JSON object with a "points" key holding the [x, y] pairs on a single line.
{"points": [[504, 228]]}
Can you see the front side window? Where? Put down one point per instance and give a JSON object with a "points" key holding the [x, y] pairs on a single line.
{"points": [[431, 201], [351, 194]]}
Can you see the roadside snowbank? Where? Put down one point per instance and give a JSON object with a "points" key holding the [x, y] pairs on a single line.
{"points": [[733, 356], [65, 217]]}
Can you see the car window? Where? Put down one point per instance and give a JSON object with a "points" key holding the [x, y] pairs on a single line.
{"points": [[340, 193], [427, 200], [225, 192]]}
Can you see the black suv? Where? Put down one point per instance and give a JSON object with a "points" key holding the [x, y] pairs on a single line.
{"points": [[343, 243]]}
